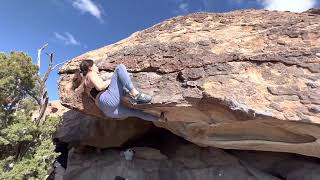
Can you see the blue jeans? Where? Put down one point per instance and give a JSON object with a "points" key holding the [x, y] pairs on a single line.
{"points": [[110, 100]]}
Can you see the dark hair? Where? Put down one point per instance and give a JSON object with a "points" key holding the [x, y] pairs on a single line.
{"points": [[85, 65]]}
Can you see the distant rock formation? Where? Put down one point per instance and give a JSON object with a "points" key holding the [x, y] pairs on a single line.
{"points": [[239, 80], [54, 109]]}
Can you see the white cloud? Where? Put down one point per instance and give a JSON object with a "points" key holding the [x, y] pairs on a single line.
{"points": [[288, 5], [181, 7], [87, 6], [236, 1], [67, 38], [184, 7]]}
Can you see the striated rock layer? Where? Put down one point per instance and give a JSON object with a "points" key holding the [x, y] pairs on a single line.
{"points": [[238, 80]]}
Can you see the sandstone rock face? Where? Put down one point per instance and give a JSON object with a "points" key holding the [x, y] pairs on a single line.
{"points": [[190, 162], [80, 129], [282, 165], [238, 80]]}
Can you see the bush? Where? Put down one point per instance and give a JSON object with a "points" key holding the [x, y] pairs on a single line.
{"points": [[26, 147]]}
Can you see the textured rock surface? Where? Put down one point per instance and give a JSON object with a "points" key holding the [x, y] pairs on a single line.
{"points": [[80, 129], [189, 162], [240, 80], [281, 165], [162, 155]]}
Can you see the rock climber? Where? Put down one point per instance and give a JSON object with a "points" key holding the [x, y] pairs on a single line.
{"points": [[107, 95]]}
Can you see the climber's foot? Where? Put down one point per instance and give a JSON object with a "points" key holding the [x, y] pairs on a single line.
{"points": [[141, 98]]}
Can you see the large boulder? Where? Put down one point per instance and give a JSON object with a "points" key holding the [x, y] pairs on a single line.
{"points": [[239, 80]]}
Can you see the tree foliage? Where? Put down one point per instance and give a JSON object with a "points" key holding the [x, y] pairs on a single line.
{"points": [[17, 81], [26, 148]]}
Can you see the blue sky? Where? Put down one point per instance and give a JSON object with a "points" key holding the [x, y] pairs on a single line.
{"points": [[73, 27]]}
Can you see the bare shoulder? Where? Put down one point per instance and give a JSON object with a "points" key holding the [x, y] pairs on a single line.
{"points": [[92, 76], [96, 81]]}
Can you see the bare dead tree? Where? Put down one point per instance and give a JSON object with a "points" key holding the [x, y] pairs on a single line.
{"points": [[42, 98]]}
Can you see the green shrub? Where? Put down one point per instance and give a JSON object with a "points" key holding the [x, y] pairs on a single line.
{"points": [[26, 148]]}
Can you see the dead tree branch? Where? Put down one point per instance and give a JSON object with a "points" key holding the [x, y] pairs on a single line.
{"points": [[39, 55], [44, 99]]}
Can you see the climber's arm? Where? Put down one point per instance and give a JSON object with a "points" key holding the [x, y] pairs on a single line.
{"points": [[97, 81]]}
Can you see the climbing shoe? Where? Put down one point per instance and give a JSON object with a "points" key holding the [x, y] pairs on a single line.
{"points": [[141, 98]]}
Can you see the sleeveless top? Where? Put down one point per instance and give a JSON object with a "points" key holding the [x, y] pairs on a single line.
{"points": [[93, 91]]}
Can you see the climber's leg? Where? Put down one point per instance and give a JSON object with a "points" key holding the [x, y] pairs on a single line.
{"points": [[124, 78], [122, 112], [110, 100], [136, 96]]}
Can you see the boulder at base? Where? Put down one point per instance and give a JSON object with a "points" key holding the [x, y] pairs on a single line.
{"points": [[190, 162]]}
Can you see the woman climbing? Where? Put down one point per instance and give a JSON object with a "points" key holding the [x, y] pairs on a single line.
{"points": [[108, 95]]}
